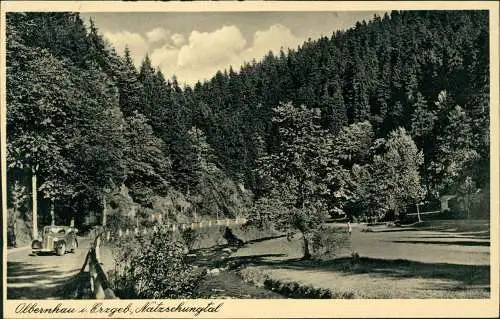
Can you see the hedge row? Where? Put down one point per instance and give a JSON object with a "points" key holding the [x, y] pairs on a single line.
{"points": [[295, 290]]}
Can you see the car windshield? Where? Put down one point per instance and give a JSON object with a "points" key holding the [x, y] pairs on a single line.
{"points": [[55, 230]]}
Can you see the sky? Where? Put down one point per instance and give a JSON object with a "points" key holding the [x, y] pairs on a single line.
{"points": [[194, 45]]}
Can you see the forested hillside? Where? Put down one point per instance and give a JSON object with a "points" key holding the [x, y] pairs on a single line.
{"points": [[368, 121]]}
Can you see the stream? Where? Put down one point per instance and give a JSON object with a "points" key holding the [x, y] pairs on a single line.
{"points": [[227, 284]]}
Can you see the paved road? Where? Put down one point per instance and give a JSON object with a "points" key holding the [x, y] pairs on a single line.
{"points": [[44, 276]]}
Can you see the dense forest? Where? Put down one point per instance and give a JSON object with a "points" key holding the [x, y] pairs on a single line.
{"points": [[371, 120]]}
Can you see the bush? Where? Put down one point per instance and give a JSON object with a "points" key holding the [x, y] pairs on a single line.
{"points": [[191, 238], [293, 289], [155, 267], [254, 276], [329, 242], [116, 221]]}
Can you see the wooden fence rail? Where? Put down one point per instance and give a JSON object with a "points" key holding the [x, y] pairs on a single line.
{"points": [[99, 284], [425, 213], [108, 235]]}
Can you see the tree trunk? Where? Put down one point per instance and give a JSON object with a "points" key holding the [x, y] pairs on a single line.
{"points": [[467, 205], [16, 214], [418, 213], [34, 215], [52, 213], [103, 223], [307, 253], [104, 211]]}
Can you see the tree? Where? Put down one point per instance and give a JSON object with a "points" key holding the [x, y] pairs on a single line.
{"points": [[292, 173], [334, 108], [352, 144], [397, 172], [148, 170], [455, 152], [466, 191], [423, 124], [208, 176], [63, 121], [129, 85], [99, 163], [19, 197], [37, 111], [390, 179], [365, 201]]}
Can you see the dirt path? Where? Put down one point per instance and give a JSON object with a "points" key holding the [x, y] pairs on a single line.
{"points": [[44, 276]]}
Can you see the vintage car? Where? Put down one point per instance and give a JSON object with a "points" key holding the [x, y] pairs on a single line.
{"points": [[58, 239]]}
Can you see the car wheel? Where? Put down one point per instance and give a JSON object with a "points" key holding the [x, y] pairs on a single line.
{"points": [[61, 249]]}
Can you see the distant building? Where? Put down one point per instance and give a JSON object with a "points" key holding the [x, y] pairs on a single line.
{"points": [[445, 201]]}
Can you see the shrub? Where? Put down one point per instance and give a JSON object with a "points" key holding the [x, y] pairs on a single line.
{"points": [[329, 242], [155, 267], [254, 275], [295, 290], [116, 221], [191, 238], [326, 294]]}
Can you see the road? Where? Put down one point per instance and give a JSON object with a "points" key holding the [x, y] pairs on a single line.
{"points": [[44, 276]]}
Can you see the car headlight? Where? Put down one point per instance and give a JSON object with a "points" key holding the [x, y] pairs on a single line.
{"points": [[36, 244]]}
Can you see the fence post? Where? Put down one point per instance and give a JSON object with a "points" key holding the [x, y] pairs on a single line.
{"points": [[97, 243], [91, 275], [99, 290]]}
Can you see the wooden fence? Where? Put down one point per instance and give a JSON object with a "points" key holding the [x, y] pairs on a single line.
{"points": [[109, 235], [99, 284]]}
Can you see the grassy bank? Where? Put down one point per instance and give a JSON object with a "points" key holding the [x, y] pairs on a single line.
{"points": [[437, 259]]}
